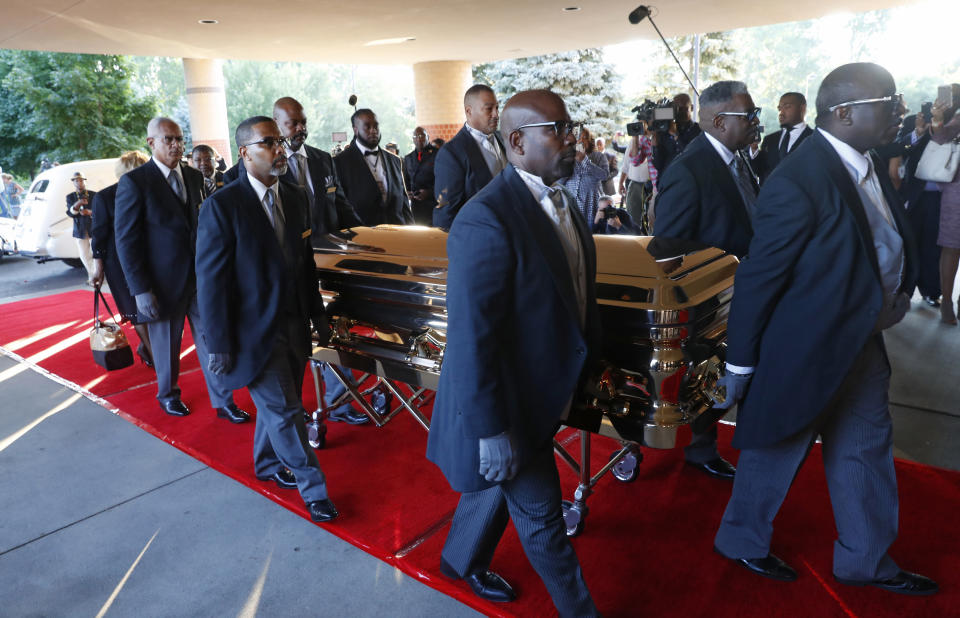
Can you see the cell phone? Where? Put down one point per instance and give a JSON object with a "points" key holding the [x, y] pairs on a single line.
{"points": [[949, 95]]}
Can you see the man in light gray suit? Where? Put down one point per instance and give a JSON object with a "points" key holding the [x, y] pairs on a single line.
{"points": [[831, 253]]}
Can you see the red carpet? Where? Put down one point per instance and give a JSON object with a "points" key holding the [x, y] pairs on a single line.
{"points": [[646, 549]]}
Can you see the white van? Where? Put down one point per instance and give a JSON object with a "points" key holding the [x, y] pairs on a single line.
{"points": [[43, 229]]}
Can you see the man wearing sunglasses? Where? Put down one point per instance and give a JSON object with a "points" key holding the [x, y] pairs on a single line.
{"points": [[830, 259], [155, 224], [505, 386], [707, 195], [257, 287]]}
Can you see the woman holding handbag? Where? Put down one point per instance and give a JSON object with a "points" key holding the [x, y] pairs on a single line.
{"points": [[106, 262], [946, 128]]}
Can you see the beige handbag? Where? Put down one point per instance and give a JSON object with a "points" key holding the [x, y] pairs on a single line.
{"points": [[939, 162], [109, 345]]}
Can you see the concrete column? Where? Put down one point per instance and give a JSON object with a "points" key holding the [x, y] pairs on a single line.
{"points": [[438, 90], [208, 104]]}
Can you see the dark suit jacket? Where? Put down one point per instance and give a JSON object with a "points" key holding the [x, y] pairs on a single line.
{"points": [[809, 294], [104, 248], [243, 281], [234, 172], [361, 188], [331, 211], [419, 174], [515, 349], [156, 234], [81, 223], [699, 200], [769, 156], [218, 182], [460, 172], [912, 187]]}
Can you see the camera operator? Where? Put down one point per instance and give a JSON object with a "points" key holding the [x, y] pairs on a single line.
{"points": [[612, 220], [667, 144], [638, 176]]}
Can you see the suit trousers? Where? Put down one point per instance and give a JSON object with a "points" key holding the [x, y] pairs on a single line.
{"points": [[702, 447], [166, 337], [857, 435], [924, 216], [280, 436], [532, 500]]}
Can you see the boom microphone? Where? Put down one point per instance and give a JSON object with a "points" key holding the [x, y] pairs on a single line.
{"points": [[352, 101], [638, 14]]}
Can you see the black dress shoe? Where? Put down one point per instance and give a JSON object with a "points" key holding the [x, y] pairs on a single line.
{"points": [[771, 566], [718, 468], [283, 478], [174, 407], [903, 582], [932, 301], [346, 414], [485, 584], [233, 413], [322, 510]]}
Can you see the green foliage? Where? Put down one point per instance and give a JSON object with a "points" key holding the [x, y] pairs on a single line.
{"points": [[68, 107], [588, 85], [717, 62]]}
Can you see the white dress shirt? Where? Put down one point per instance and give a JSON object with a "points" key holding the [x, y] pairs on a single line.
{"points": [[567, 233], [493, 155], [166, 171], [261, 190], [725, 153], [793, 135], [301, 154], [377, 167]]}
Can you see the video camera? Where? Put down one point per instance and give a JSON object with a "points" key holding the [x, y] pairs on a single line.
{"points": [[656, 115]]}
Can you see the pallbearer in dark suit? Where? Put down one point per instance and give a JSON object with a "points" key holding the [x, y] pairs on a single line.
{"points": [[793, 130], [829, 262], [155, 228], [708, 194], [372, 177], [313, 169], [258, 290], [522, 323], [471, 159], [418, 174], [204, 160]]}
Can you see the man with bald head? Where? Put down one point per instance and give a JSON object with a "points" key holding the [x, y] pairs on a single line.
{"points": [[155, 225], [830, 260], [521, 264], [470, 160], [418, 175], [707, 195]]}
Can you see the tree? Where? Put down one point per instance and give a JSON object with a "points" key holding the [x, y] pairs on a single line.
{"points": [[68, 107], [717, 62], [588, 85]]}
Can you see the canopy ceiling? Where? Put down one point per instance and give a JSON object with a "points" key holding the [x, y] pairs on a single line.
{"points": [[340, 32]]}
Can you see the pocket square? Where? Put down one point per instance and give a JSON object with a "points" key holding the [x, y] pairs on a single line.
{"points": [[306, 234]]}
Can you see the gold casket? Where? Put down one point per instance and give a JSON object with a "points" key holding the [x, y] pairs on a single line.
{"points": [[663, 306]]}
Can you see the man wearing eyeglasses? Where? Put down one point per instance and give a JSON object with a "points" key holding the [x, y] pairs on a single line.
{"points": [[471, 159], [708, 195], [257, 288], [373, 177], [505, 387], [831, 256], [155, 225]]}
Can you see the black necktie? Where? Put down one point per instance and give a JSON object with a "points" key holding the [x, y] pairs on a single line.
{"points": [[784, 142]]}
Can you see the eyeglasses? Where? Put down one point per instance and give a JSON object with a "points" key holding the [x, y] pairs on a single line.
{"points": [[894, 100], [270, 142], [170, 140], [562, 128], [751, 115]]}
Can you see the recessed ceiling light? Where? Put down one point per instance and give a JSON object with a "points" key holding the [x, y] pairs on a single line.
{"points": [[394, 41], [571, 8], [208, 21]]}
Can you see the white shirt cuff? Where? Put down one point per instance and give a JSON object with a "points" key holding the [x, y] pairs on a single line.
{"points": [[744, 371]]}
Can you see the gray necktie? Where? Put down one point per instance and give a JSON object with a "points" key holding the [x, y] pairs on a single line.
{"points": [[746, 188], [299, 163], [276, 217], [492, 141], [174, 179]]}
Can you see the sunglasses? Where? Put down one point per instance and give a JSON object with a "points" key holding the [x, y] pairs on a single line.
{"points": [[752, 115], [894, 100], [270, 142], [562, 128]]}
